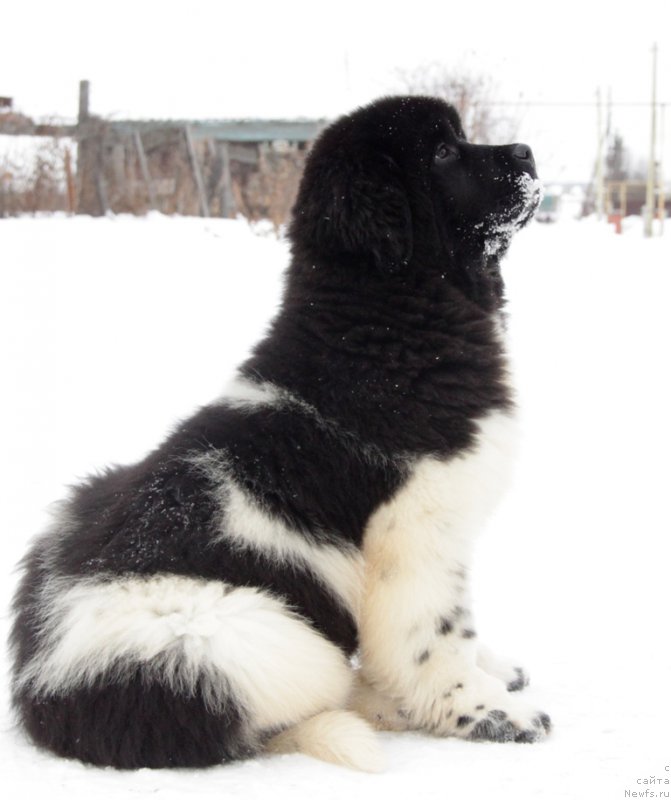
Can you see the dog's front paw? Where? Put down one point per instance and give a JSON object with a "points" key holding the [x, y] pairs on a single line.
{"points": [[484, 711], [514, 677], [516, 680], [497, 726]]}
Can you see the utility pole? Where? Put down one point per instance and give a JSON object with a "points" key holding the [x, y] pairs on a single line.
{"points": [[598, 171], [650, 189], [599, 158], [84, 89], [661, 193]]}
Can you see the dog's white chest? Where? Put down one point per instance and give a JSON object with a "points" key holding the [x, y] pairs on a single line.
{"points": [[443, 503]]}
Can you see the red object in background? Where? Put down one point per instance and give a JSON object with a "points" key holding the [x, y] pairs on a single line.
{"points": [[616, 219]]}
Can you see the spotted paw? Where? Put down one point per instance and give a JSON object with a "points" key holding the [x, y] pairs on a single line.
{"points": [[484, 711], [514, 677], [497, 726], [520, 680]]}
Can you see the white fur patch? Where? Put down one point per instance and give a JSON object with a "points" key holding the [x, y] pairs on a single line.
{"points": [[339, 568], [242, 392], [190, 634], [419, 653], [417, 548], [244, 524], [339, 737]]}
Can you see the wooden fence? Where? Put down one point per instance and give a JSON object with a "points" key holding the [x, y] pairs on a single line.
{"points": [[193, 167]]}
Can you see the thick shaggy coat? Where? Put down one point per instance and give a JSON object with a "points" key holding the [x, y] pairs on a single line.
{"points": [[202, 605]]}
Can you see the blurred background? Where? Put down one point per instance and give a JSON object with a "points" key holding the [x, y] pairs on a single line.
{"points": [[208, 108], [149, 156]]}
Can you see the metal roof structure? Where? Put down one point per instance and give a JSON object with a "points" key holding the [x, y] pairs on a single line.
{"points": [[231, 130]]}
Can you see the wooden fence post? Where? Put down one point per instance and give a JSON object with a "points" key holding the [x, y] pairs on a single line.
{"points": [[91, 190], [228, 208], [144, 169], [84, 88], [197, 174], [70, 182], [101, 190]]}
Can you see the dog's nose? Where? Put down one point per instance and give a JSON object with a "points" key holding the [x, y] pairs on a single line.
{"points": [[523, 158], [523, 153]]}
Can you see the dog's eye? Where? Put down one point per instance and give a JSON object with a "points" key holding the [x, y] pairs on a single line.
{"points": [[446, 152]]}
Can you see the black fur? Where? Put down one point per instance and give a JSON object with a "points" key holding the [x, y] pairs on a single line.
{"points": [[387, 335], [445, 626], [519, 682], [135, 723]]}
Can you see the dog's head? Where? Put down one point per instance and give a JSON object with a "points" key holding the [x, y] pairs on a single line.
{"points": [[396, 186]]}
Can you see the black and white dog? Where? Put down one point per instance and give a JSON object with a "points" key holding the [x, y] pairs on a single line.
{"points": [[203, 605]]}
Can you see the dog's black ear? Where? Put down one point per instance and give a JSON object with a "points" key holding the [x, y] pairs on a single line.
{"points": [[354, 207]]}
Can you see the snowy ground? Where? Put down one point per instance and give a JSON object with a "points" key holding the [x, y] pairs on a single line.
{"points": [[112, 329]]}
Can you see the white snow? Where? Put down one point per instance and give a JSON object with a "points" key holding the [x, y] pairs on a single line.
{"points": [[501, 231], [112, 329]]}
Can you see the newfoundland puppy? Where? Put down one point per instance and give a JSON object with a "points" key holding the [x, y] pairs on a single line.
{"points": [[290, 568]]}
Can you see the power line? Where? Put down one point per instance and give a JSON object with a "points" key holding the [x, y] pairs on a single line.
{"points": [[571, 104]]}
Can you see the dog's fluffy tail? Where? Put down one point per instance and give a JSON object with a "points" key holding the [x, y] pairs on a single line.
{"points": [[340, 737]]}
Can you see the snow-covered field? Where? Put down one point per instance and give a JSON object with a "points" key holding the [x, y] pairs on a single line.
{"points": [[112, 329]]}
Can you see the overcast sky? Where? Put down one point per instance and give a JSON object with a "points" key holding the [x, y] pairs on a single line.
{"points": [[207, 58]]}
